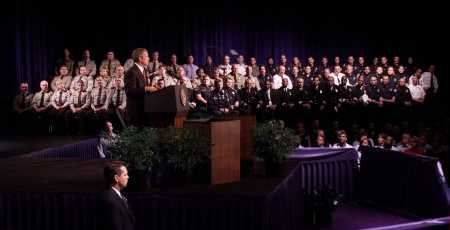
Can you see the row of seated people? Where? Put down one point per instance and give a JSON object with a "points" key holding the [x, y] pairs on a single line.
{"points": [[427, 80], [79, 108], [111, 63], [244, 94]]}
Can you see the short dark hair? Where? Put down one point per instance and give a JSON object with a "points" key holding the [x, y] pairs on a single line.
{"points": [[137, 53], [111, 170], [341, 132]]}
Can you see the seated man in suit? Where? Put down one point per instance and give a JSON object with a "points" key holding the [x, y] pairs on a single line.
{"points": [[268, 100], [115, 213], [23, 107]]}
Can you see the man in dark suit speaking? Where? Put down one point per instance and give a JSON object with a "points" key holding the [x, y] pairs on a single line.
{"points": [[115, 213], [137, 83]]}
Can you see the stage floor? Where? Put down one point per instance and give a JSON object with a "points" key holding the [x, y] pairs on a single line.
{"points": [[25, 174], [19, 145]]}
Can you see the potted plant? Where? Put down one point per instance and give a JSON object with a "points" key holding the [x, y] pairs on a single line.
{"points": [[273, 142], [137, 147], [183, 151]]}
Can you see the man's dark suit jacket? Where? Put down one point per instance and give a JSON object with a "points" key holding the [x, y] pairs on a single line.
{"points": [[135, 89], [114, 212]]}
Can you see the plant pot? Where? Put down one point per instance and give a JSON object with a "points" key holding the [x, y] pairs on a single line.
{"points": [[272, 169]]}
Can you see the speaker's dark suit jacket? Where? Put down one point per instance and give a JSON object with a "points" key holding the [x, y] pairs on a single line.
{"points": [[135, 89]]}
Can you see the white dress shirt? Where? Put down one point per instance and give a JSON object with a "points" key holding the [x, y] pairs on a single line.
{"points": [[141, 68], [337, 78], [277, 81], [242, 69], [425, 81], [417, 92], [118, 192]]}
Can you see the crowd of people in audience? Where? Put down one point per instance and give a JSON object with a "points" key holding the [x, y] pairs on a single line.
{"points": [[379, 102]]}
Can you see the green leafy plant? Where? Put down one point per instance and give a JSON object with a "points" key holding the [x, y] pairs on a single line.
{"points": [[274, 141], [183, 149], [137, 147]]}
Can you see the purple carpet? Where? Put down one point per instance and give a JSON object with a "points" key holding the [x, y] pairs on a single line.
{"points": [[349, 217]]}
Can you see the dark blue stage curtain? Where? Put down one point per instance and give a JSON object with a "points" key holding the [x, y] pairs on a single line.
{"points": [[407, 183], [323, 167], [40, 34]]}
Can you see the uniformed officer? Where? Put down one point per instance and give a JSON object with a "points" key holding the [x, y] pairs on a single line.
{"points": [[63, 76], [254, 66], [118, 103], [318, 98], [357, 104], [162, 74], [345, 101], [110, 63], [104, 77], [153, 65], [237, 77], [41, 107], [402, 98], [88, 81], [308, 76], [202, 95], [352, 76], [225, 67], [387, 97], [312, 65], [324, 64], [401, 72], [218, 104], [367, 72], [67, 61], [60, 104], [90, 65], [100, 96], [263, 76], [359, 67], [393, 78], [209, 66], [384, 64], [120, 73], [284, 62], [270, 66], [232, 96], [80, 101], [197, 81], [182, 78], [295, 74], [373, 101], [248, 75], [332, 105], [173, 66]]}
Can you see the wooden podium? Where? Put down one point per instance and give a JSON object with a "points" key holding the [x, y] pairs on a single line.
{"points": [[225, 144], [168, 106], [248, 125]]}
